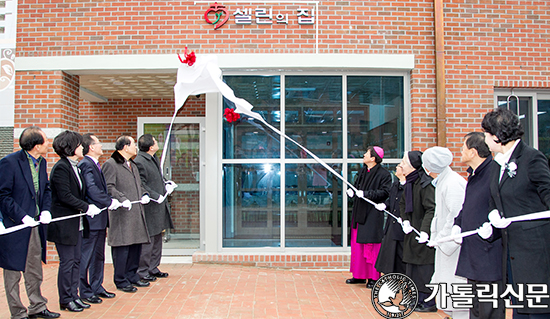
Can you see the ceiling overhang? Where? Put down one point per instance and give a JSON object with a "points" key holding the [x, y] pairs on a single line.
{"points": [[105, 77]]}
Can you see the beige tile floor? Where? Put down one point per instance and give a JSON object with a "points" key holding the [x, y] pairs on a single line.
{"points": [[226, 291]]}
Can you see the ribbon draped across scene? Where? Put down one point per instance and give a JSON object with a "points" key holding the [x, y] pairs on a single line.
{"points": [[22, 226], [200, 75]]}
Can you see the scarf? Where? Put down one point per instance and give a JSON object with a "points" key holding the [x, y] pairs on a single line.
{"points": [[410, 179]]}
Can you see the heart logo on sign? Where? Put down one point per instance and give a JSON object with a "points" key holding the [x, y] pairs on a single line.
{"points": [[219, 11]]}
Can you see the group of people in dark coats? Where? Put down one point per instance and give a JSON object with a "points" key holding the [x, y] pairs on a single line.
{"points": [[515, 182], [116, 195]]}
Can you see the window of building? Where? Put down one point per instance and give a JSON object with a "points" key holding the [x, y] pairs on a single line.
{"points": [[533, 107], [274, 193]]}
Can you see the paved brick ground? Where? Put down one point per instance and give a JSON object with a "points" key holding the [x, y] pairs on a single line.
{"points": [[226, 291]]}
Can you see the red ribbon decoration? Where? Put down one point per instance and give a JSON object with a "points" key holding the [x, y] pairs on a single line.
{"points": [[230, 115], [190, 58]]}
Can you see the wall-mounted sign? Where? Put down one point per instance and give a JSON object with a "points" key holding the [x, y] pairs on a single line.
{"points": [[217, 15], [220, 13]]}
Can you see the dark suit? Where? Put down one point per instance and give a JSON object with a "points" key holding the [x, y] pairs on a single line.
{"points": [[157, 215], [92, 260], [68, 195], [526, 244], [479, 261], [18, 252]]}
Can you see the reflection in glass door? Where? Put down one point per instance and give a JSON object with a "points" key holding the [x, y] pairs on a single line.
{"points": [[182, 165]]}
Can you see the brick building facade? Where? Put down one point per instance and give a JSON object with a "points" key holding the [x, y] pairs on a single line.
{"points": [[491, 49]]}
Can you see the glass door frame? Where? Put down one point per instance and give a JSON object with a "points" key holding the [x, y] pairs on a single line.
{"points": [[214, 102], [141, 121]]}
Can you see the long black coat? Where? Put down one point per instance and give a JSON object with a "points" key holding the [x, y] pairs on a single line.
{"points": [[528, 242], [390, 256], [368, 220], [393, 229], [96, 192], [479, 259], [17, 199], [157, 215], [421, 219], [67, 199]]}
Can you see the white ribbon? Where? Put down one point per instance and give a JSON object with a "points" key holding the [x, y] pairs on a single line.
{"points": [[520, 218], [22, 226], [206, 77]]}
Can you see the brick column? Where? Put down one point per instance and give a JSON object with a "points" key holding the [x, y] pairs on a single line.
{"points": [[48, 99]]}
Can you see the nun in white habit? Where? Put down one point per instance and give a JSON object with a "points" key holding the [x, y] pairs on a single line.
{"points": [[449, 196]]}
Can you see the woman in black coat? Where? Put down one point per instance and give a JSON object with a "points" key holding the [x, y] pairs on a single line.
{"points": [[390, 258], [367, 222], [417, 208], [520, 184], [68, 194]]}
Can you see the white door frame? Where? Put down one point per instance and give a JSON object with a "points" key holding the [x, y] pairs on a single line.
{"points": [[202, 178]]}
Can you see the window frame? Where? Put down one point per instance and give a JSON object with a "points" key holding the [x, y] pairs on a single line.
{"points": [[283, 160], [535, 95]]}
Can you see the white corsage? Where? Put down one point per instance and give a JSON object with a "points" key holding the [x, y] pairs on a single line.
{"points": [[511, 168]]}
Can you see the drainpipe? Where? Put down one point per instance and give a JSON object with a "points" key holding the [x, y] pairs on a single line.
{"points": [[440, 74]]}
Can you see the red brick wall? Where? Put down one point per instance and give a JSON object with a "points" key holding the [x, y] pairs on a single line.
{"points": [[114, 118], [48, 99], [488, 44]]}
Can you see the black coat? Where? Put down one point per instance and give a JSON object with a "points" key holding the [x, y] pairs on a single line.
{"points": [[393, 230], [67, 199], [390, 257], [96, 192], [421, 219], [17, 199], [157, 215], [528, 242], [479, 259], [365, 217]]}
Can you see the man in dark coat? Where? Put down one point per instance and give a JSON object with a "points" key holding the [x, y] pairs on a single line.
{"points": [[520, 184], [367, 222], [417, 208], [127, 226], [479, 260], [25, 196], [157, 215], [92, 261]]}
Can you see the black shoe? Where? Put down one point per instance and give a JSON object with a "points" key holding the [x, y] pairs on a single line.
{"points": [[370, 283], [149, 278], [93, 299], [424, 308], [160, 274], [141, 283], [71, 306], [106, 294], [81, 304], [128, 288], [355, 281], [45, 314]]}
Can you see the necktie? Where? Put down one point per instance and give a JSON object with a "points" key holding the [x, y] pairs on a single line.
{"points": [[98, 166]]}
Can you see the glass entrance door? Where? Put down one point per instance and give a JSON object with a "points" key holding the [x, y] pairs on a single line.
{"points": [[181, 165]]}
